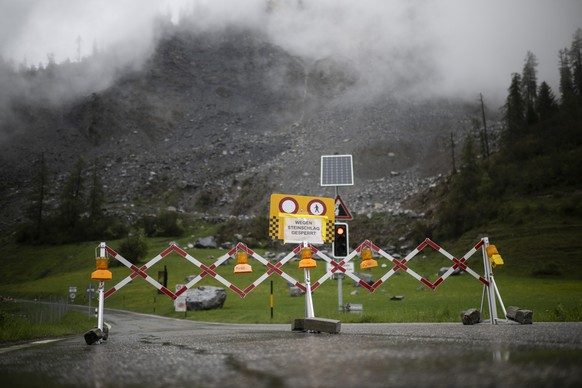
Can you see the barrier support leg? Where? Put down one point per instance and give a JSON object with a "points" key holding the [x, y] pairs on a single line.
{"points": [[499, 297], [491, 289]]}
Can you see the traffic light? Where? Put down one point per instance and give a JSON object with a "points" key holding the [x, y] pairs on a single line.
{"points": [[340, 240]]}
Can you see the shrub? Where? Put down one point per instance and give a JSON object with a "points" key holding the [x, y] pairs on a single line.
{"points": [[134, 248], [547, 269], [166, 224]]}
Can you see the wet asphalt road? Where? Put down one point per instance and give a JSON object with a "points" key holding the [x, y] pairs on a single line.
{"points": [[144, 350]]}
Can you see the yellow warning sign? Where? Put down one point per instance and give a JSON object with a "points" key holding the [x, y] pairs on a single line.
{"points": [[297, 218]]}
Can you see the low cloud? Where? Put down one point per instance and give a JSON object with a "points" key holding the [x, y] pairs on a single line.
{"points": [[450, 47]]}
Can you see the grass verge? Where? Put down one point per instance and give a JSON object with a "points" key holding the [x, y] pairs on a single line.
{"points": [[21, 321]]}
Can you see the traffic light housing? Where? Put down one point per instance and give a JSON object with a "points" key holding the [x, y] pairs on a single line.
{"points": [[340, 239]]}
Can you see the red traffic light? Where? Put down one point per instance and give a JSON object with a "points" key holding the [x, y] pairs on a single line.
{"points": [[340, 241]]}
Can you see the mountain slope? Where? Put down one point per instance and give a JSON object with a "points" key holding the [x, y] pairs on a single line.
{"points": [[214, 122]]}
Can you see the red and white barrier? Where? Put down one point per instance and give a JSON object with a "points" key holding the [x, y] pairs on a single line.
{"points": [[489, 286]]}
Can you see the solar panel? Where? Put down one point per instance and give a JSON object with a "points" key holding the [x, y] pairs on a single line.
{"points": [[337, 170]]}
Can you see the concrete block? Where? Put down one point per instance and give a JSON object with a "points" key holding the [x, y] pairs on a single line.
{"points": [[318, 325], [525, 317], [354, 307], [471, 317], [93, 336]]}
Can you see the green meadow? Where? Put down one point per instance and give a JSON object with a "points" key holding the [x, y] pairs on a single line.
{"points": [[42, 273]]}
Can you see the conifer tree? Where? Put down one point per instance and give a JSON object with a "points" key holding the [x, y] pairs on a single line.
{"points": [[529, 87], [514, 110], [546, 105], [566, 83], [575, 56]]}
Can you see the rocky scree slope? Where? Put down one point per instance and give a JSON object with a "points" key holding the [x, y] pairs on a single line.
{"points": [[214, 123]]}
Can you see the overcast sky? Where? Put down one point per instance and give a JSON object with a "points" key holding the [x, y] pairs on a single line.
{"points": [[461, 46]]}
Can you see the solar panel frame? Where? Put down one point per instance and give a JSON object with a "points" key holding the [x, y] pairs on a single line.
{"points": [[337, 170]]}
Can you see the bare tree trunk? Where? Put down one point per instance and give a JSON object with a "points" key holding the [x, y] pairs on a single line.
{"points": [[485, 139]]}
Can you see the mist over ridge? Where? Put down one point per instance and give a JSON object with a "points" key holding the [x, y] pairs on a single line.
{"points": [[451, 47]]}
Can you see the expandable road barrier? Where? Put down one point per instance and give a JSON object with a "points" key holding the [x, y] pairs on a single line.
{"points": [[242, 253]]}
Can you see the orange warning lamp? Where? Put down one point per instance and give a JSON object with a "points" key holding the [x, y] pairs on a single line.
{"points": [[307, 258], [367, 260], [102, 272], [494, 256], [242, 262]]}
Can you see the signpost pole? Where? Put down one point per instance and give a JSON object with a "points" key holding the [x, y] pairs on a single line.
{"points": [[90, 296], [340, 294], [101, 304], [309, 312], [340, 301], [491, 287], [101, 292]]}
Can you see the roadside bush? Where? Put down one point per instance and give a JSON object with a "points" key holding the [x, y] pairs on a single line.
{"points": [[571, 206], [547, 269], [166, 224], [134, 248], [254, 231]]}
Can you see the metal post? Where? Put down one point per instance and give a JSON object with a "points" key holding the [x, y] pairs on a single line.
{"points": [[340, 301], [309, 313], [499, 297], [340, 277], [491, 286], [90, 299], [483, 297], [271, 300], [101, 290], [101, 304]]}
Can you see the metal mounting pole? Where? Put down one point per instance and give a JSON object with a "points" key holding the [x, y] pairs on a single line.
{"points": [[101, 292], [101, 304], [340, 277], [309, 313], [491, 286], [340, 302]]}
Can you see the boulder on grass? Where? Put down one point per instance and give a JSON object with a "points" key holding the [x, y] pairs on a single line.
{"points": [[205, 298], [366, 277], [206, 242]]}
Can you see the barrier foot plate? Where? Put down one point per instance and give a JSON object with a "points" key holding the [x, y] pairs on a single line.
{"points": [[317, 325], [93, 336]]}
